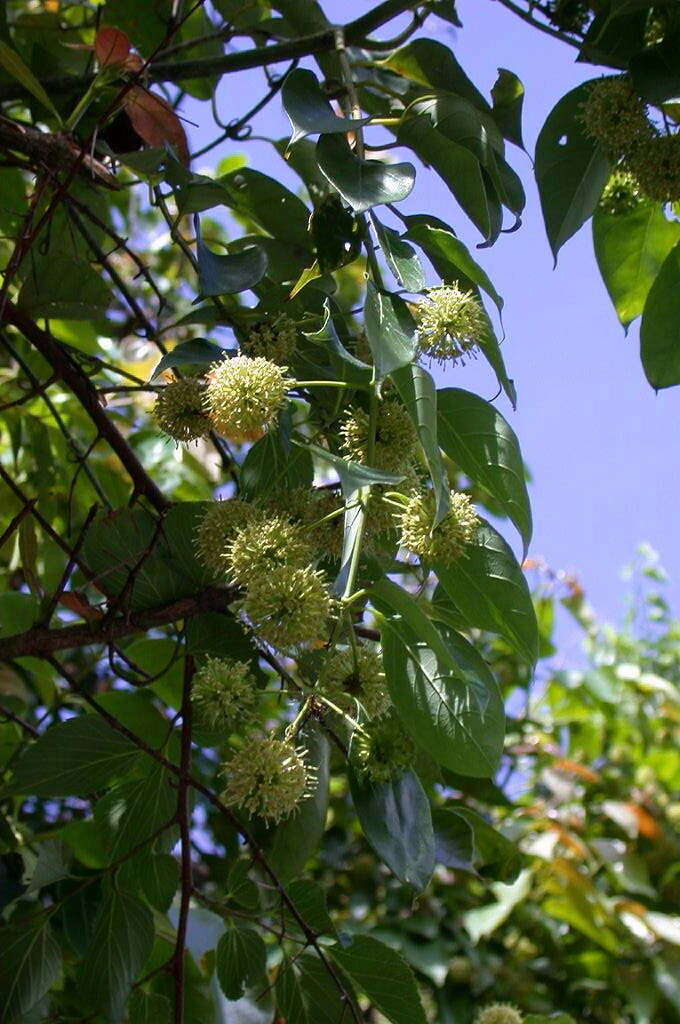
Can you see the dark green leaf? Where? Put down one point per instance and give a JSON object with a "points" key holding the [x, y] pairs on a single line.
{"points": [[419, 395], [323, 999], [390, 329], [508, 97], [271, 465], [199, 352], [228, 274], [383, 976], [630, 249], [15, 66], [571, 169], [74, 758], [396, 820], [431, 64], [53, 864], [268, 204], [454, 838], [137, 811], [336, 234], [65, 288], [493, 852], [310, 903], [155, 876], [121, 944], [487, 586], [240, 961], [289, 1001], [660, 331], [353, 475], [483, 444], [309, 110], [362, 183], [149, 1008], [655, 70], [29, 966], [401, 257]]}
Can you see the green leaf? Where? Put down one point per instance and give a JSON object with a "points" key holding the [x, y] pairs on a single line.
{"points": [[198, 352], [269, 205], [660, 330], [322, 996], [149, 1008], [29, 966], [122, 941], [155, 876], [455, 842], [62, 287], [310, 902], [431, 64], [401, 257], [289, 1001], [396, 820], [74, 758], [227, 274], [441, 687], [308, 109], [53, 864], [508, 97], [240, 961], [571, 169], [383, 976], [390, 329], [353, 475], [271, 465], [362, 183], [549, 1018], [487, 586], [493, 852], [482, 921], [296, 839], [483, 444], [15, 66], [137, 810], [337, 235], [630, 249], [419, 395], [449, 256]]}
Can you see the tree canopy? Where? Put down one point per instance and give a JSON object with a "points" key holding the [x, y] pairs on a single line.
{"points": [[266, 636]]}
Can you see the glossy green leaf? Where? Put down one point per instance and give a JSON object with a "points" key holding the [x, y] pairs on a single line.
{"points": [[29, 966], [396, 820], [488, 588], [419, 395], [308, 109], [197, 353], [53, 864], [630, 249], [390, 329], [660, 330], [429, 63], [444, 693], [75, 757], [384, 976], [401, 257], [121, 944], [15, 66], [149, 1008], [508, 98], [571, 169], [228, 274], [336, 232], [353, 475], [362, 183], [240, 961], [268, 204], [483, 444]]}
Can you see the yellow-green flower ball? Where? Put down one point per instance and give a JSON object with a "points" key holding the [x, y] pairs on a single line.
{"points": [[656, 166], [383, 750], [244, 396], [288, 607], [264, 544], [395, 437], [274, 340], [616, 116], [268, 778], [224, 693], [499, 1013], [451, 323], [179, 410], [444, 542], [622, 194], [216, 529], [349, 676]]}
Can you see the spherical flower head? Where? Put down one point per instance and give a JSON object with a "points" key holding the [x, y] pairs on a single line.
{"points": [[289, 607], [656, 165], [383, 750], [444, 542], [349, 676], [274, 340], [179, 410], [499, 1013], [616, 116], [269, 778], [395, 436], [216, 529], [224, 692], [621, 194], [451, 323], [264, 544], [244, 396]]}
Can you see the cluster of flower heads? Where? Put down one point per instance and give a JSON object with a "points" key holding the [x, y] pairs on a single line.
{"points": [[268, 777], [382, 750], [239, 398], [355, 676], [451, 324], [224, 694], [618, 118], [444, 542], [275, 340], [396, 439], [499, 1013]]}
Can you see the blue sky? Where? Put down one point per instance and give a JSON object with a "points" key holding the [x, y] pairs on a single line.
{"points": [[601, 446]]}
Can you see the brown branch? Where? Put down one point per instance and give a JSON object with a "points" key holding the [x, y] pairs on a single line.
{"points": [[16, 521], [51, 151], [81, 386], [11, 717]]}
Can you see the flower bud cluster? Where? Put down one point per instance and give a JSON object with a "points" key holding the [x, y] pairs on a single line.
{"points": [[269, 778], [224, 694], [382, 749], [354, 676], [444, 542], [275, 340], [499, 1013], [395, 437], [451, 324], [180, 411]]}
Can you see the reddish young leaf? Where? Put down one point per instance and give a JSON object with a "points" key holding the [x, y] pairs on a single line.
{"points": [[155, 121], [111, 47]]}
